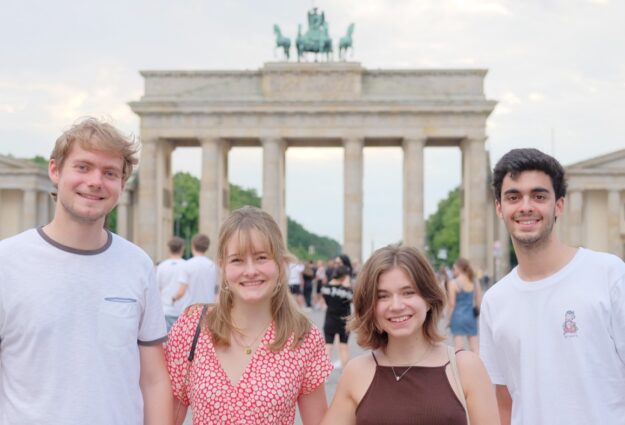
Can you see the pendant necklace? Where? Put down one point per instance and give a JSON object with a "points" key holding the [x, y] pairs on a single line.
{"points": [[420, 359], [248, 347]]}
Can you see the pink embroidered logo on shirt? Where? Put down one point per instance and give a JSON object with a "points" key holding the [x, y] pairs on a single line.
{"points": [[570, 327]]}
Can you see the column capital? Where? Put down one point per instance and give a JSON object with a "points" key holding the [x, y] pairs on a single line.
{"points": [[353, 141], [265, 141]]}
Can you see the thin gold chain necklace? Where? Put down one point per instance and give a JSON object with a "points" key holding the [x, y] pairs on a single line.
{"points": [[249, 347], [419, 360]]}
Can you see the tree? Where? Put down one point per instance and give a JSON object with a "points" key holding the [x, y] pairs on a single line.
{"points": [[443, 229]]}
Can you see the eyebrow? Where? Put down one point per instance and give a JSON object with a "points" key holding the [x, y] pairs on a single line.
{"points": [[534, 190]]}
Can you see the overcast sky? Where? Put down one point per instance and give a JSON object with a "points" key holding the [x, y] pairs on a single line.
{"points": [[556, 69]]}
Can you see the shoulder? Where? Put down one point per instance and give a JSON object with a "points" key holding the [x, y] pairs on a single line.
{"points": [[602, 259], [25, 238], [502, 287], [131, 251], [359, 372]]}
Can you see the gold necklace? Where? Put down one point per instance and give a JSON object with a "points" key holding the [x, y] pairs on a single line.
{"points": [[421, 358], [248, 347]]}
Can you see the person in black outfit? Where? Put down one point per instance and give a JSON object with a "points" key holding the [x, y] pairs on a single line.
{"points": [[337, 294]]}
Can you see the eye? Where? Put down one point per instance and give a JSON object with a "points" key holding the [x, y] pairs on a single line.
{"points": [[81, 167], [512, 197], [111, 174], [382, 295], [540, 196]]}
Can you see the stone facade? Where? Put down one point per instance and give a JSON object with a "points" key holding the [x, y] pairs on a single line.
{"points": [[25, 200], [284, 105], [594, 213]]}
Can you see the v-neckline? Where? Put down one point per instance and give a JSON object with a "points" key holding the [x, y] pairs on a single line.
{"points": [[246, 371]]}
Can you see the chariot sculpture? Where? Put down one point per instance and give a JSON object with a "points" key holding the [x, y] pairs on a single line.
{"points": [[315, 40]]}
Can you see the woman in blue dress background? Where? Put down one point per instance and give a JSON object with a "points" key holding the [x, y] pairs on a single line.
{"points": [[463, 295]]}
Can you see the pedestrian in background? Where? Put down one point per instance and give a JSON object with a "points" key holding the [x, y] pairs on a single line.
{"points": [[464, 298], [168, 278]]}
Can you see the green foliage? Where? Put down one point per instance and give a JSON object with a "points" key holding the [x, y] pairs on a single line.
{"points": [[40, 161], [300, 239], [240, 197], [443, 229], [111, 221], [186, 215]]}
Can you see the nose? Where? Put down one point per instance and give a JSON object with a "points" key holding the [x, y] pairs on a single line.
{"points": [[95, 179], [526, 204], [250, 267], [396, 302]]}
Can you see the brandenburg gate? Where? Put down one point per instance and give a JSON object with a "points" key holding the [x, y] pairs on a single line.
{"points": [[334, 104]]}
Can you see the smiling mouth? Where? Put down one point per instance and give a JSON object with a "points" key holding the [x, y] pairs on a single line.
{"points": [[527, 222], [90, 197], [252, 283], [399, 319]]}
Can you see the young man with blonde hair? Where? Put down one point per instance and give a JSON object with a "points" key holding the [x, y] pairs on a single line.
{"points": [[81, 324]]}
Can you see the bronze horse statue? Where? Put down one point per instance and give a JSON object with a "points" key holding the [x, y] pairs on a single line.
{"points": [[282, 41], [346, 42]]}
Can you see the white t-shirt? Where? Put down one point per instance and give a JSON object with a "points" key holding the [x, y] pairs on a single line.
{"points": [[201, 274], [71, 323], [167, 275], [558, 344], [295, 273]]}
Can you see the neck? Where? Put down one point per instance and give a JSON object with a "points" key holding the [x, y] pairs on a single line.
{"points": [[405, 351], [77, 235], [250, 318], [536, 263]]}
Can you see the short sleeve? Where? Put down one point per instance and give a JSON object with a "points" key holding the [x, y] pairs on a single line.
{"points": [[177, 352], [318, 366], [617, 320], [488, 351], [152, 327]]}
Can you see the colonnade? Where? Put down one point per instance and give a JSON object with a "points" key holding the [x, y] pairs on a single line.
{"points": [[156, 199]]}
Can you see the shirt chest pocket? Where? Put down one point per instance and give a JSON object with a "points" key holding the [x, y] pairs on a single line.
{"points": [[118, 322]]}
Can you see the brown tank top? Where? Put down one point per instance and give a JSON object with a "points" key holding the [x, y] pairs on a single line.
{"points": [[422, 397]]}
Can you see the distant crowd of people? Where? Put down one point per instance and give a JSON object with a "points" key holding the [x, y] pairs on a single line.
{"points": [[91, 332]]}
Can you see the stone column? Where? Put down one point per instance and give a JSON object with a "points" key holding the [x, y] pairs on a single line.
{"points": [[224, 184], [43, 208], [353, 201], [614, 223], [414, 225], [122, 215], [274, 199], [576, 200], [214, 155], [29, 209], [148, 206], [473, 243]]}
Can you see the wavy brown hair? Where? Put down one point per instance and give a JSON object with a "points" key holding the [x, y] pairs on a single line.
{"points": [[420, 273], [288, 320]]}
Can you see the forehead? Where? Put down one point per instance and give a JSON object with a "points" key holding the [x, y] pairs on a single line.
{"points": [[247, 241], [81, 153], [393, 279], [526, 181]]}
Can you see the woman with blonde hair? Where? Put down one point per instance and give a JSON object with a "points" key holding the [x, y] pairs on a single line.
{"points": [[409, 377], [252, 357], [464, 296]]}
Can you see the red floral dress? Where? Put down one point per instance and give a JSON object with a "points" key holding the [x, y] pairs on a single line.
{"points": [[268, 389]]}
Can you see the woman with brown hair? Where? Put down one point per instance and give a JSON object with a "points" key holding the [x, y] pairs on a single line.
{"points": [[464, 296], [410, 377], [257, 356]]}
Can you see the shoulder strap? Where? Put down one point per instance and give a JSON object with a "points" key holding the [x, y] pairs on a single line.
{"points": [[374, 358], [196, 336], [457, 383]]}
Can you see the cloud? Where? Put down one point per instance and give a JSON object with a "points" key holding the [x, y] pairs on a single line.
{"points": [[536, 97]]}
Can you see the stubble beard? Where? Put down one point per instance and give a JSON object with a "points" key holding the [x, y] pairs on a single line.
{"points": [[80, 218], [534, 242]]}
